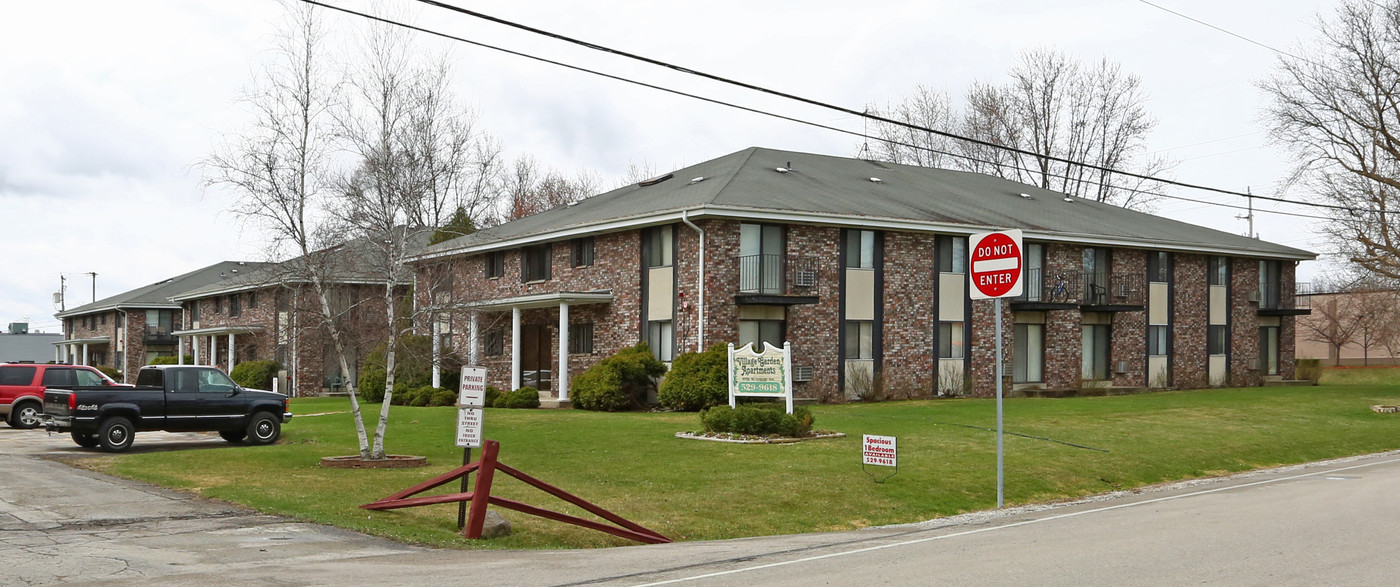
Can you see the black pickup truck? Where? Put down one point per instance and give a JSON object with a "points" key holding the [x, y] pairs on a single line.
{"points": [[166, 397]]}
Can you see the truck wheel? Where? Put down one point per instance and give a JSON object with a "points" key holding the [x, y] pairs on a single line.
{"points": [[264, 429], [26, 415], [115, 434], [84, 440], [233, 435]]}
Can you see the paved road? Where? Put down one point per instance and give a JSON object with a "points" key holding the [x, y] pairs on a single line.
{"points": [[1326, 523]]}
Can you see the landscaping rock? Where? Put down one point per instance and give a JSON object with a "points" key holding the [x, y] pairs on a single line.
{"points": [[496, 526]]}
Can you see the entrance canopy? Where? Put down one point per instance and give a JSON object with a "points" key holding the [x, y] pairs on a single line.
{"points": [[544, 300]]}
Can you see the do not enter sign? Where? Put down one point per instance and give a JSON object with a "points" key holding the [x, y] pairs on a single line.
{"points": [[995, 264]]}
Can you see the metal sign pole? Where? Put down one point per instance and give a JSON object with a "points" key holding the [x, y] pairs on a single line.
{"points": [[1000, 477], [462, 505]]}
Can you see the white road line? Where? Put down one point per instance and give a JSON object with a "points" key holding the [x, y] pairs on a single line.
{"points": [[1013, 525]]}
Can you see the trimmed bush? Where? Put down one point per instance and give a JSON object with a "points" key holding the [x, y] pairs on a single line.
{"points": [[523, 398], [766, 419], [618, 382], [413, 367], [171, 360], [697, 381], [442, 397], [1310, 369], [110, 372], [255, 374], [491, 395]]}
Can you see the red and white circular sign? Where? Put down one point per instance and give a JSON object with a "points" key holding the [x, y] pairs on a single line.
{"points": [[995, 264]]}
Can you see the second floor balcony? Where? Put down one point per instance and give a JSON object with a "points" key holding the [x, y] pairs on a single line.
{"points": [[1274, 301], [1091, 291], [777, 280]]}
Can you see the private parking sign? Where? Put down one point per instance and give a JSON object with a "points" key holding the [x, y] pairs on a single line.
{"points": [[995, 264]]}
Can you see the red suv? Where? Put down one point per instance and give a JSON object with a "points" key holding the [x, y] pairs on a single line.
{"points": [[22, 388]]}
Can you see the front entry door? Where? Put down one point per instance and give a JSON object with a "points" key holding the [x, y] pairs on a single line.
{"points": [[535, 356]]}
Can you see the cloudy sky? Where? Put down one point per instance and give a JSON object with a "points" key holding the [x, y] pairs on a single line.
{"points": [[105, 107]]}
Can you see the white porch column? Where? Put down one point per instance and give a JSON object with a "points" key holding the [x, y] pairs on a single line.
{"points": [[213, 355], [473, 345], [179, 350], [194, 340], [437, 353], [230, 352], [514, 349], [562, 377], [58, 354], [85, 353]]}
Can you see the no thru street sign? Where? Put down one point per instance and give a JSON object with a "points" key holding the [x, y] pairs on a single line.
{"points": [[995, 263]]}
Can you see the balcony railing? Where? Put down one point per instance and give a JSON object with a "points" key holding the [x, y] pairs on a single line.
{"points": [[1278, 302], [777, 274], [1083, 289], [159, 336]]}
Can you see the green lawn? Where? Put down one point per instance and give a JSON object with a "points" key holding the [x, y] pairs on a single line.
{"points": [[691, 490], [1376, 375]]}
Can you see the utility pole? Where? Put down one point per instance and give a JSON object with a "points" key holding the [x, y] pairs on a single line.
{"points": [[1250, 215], [94, 285], [62, 292]]}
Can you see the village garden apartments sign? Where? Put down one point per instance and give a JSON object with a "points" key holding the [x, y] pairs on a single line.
{"points": [[765, 373]]}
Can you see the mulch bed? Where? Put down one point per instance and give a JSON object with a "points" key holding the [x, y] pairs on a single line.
{"points": [[751, 439]]}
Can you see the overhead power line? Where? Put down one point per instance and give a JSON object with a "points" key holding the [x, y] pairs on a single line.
{"points": [[1228, 32], [853, 112], [842, 130]]}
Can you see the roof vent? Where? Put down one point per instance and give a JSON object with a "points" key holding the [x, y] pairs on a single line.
{"points": [[1069, 199], [1025, 195], [781, 169], [876, 180], [655, 180], [697, 179]]}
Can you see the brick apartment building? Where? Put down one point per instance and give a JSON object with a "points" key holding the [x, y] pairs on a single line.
{"points": [[274, 313], [862, 266], [127, 330]]}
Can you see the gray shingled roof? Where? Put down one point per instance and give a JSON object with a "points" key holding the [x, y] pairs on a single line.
{"points": [[838, 190], [157, 295], [351, 262]]}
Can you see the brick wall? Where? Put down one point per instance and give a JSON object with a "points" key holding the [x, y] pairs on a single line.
{"points": [[910, 334], [815, 329], [1190, 322], [1244, 322], [1129, 334], [1063, 338]]}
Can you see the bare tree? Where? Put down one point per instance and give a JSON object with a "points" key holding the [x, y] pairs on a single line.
{"points": [[1339, 113], [1053, 107], [279, 168], [1375, 321], [529, 190], [1332, 322]]}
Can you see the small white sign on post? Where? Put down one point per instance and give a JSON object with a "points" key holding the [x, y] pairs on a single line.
{"points": [[470, 400], [765, 373]]}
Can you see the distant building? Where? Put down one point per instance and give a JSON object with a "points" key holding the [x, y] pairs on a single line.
{"points": [[18, 345]]}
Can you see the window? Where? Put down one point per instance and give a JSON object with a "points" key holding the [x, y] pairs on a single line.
{"points": [[217, 303], [583, 252], [860, 339], [761, 249], [1096, 267], [1219, 270], [88, 378], [1269, 283], [495, 343], [1028, 365], [1268, 350], [860, 249], [951, 340], [534, 263], [659, 335], [1217, 341], [773, 332], [658, 246], [17, 375], [495, 264], [1159, 266], [194, 313], [55, 377], [104, 319], [159, 322], [1094, 361], [1034, 277], [952, 254], [1157, 340], [252, 300], [581, 338], [235, 307]]}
